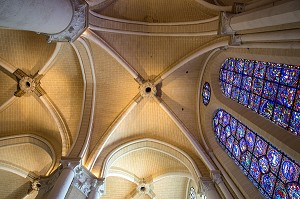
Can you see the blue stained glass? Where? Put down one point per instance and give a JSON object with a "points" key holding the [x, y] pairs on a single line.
{"points": [[230, 76], [240, 133], [266, 108], [223, 75], [227, 131], [226, 89], [236, 150], [270, 90], [226, 119], [280, 192], [281, 116], [286, 96], [229, 143], [231, 64], [274, 174], [290, 76], [237, 79], [243, 99], [239, 65], [233, 125], [260, 147], [206, 93], [246, 160], [254, 170], [274, 158], [268, 182], [250, 139], [243, 145], [257, 86], [297, 101], [293, 189], [273, 72], [260, 69], [295, 122], [246, 83], [218, 130], [263, 165], [235, 93], [216, 122], [225, 64], [223, 136], [254, 102], [289, 171]]}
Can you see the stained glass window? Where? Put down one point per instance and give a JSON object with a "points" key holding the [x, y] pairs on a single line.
{"points": [[271, 171], [270, 89], [193, 193], [206, 93]]}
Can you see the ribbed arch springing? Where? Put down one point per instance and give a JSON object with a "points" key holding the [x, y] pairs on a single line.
{"points": [[270, 89], [274, 173]]}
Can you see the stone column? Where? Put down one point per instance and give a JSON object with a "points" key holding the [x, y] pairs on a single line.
{"points": [[62, 184], [62, 20], [217, 178], [277, 13], [208, 189], [97, 189]]}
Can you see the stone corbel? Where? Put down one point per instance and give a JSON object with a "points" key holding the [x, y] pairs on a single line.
{"points": [[206, 185], [216, 176], [77, 26], [235, 40], [224, 24], [238, 8]]}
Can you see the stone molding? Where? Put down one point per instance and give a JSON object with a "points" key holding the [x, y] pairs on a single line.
{"points": [[77, 26]]}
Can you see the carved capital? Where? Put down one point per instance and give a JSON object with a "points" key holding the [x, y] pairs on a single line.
{"points": [[206, 185], [235, 40], [85, 181], [77, 25], [216, 176], [224, 24]]}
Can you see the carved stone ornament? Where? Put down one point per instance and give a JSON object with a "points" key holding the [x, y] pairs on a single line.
{"points": [[238, 7], [28, 84], [147, 90], [216, 176], [77, 25], [235, 40], [224, 24], [206, 185], [46, 183], [86, 181]]}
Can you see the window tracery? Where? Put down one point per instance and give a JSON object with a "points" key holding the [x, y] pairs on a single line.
{"points": [[206, 93], [193, 193], [270, 89], [274, 173]]}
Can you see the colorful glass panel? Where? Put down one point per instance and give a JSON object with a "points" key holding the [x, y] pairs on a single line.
{"points": [[273, 173], [206, 93], [270, 89]]}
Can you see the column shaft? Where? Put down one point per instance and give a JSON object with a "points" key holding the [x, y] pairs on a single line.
{"points": [[94, 194], [46, 16], [62, 184]]}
